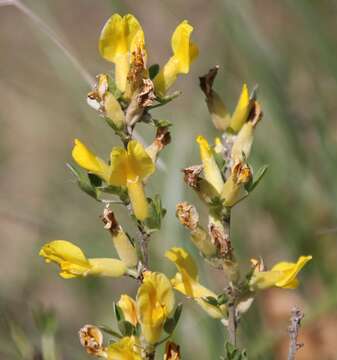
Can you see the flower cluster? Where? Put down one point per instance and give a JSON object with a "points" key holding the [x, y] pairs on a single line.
{"points": [[222, 180], [123, 100]]}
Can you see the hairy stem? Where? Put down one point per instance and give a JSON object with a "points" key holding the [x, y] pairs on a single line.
{"points": [[144, 244], [230, 269], [293, 330], [232, 323]]}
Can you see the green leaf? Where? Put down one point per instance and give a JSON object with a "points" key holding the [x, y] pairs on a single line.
{"points": [[164, 100], [138, 330], [157, 213], [126, 328], [161, 123], [95, 181], [118, 313], [171, 323], [109, 331], [222, 299], [211, 300], [113, 87], [233, 353], [84, 182], [252, 185], [220, 161], [153, 71]]}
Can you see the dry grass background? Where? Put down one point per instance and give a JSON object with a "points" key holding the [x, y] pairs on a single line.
{"points": [[289, 48]]}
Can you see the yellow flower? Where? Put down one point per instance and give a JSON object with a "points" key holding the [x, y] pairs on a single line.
{"points": [[128, 306], [155, 302], [184, 53], [127, 168], [186, 281], [73, 262], [125, 349], [120, 37], [210, 167], [283, 274]]}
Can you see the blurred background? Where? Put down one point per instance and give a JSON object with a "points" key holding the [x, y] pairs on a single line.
{"points": [[288, 48]]}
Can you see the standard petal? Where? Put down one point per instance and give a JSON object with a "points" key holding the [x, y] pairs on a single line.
{"points": [[118, 167], [119, 36], [140, 163]]}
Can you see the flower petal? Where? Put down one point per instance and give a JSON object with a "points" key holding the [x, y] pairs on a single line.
{"points": [[89, 161], [107, 267], [241, 111], [211, 169], [140, 163]]}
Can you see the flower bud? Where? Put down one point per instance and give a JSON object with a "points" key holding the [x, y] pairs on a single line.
{"points": [[91, 339], [124, 247], [234, 188], [189, 217], [172, 351], [220, 116]]}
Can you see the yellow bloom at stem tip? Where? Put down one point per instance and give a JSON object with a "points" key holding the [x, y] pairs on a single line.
{"points": [[283, 274], [155, 302], [128, 306], [128, 167], [184, 53], [74, 263], [186, 281], [119, 38]]}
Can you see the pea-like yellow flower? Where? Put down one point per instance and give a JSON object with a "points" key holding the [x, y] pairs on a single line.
{"points": [[184, 53], [283, 274], [128, 306], [128, 167], [210, 167], [120, 37], [73, 262], [155, 302], [128, 348], [186, 281]]}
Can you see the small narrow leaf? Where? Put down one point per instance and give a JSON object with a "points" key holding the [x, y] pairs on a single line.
{"points": [[118, 313], [262, 171], [211, 300], [153, 71], [84, 182], [109, 331], [126, 328], [172, 322]]}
